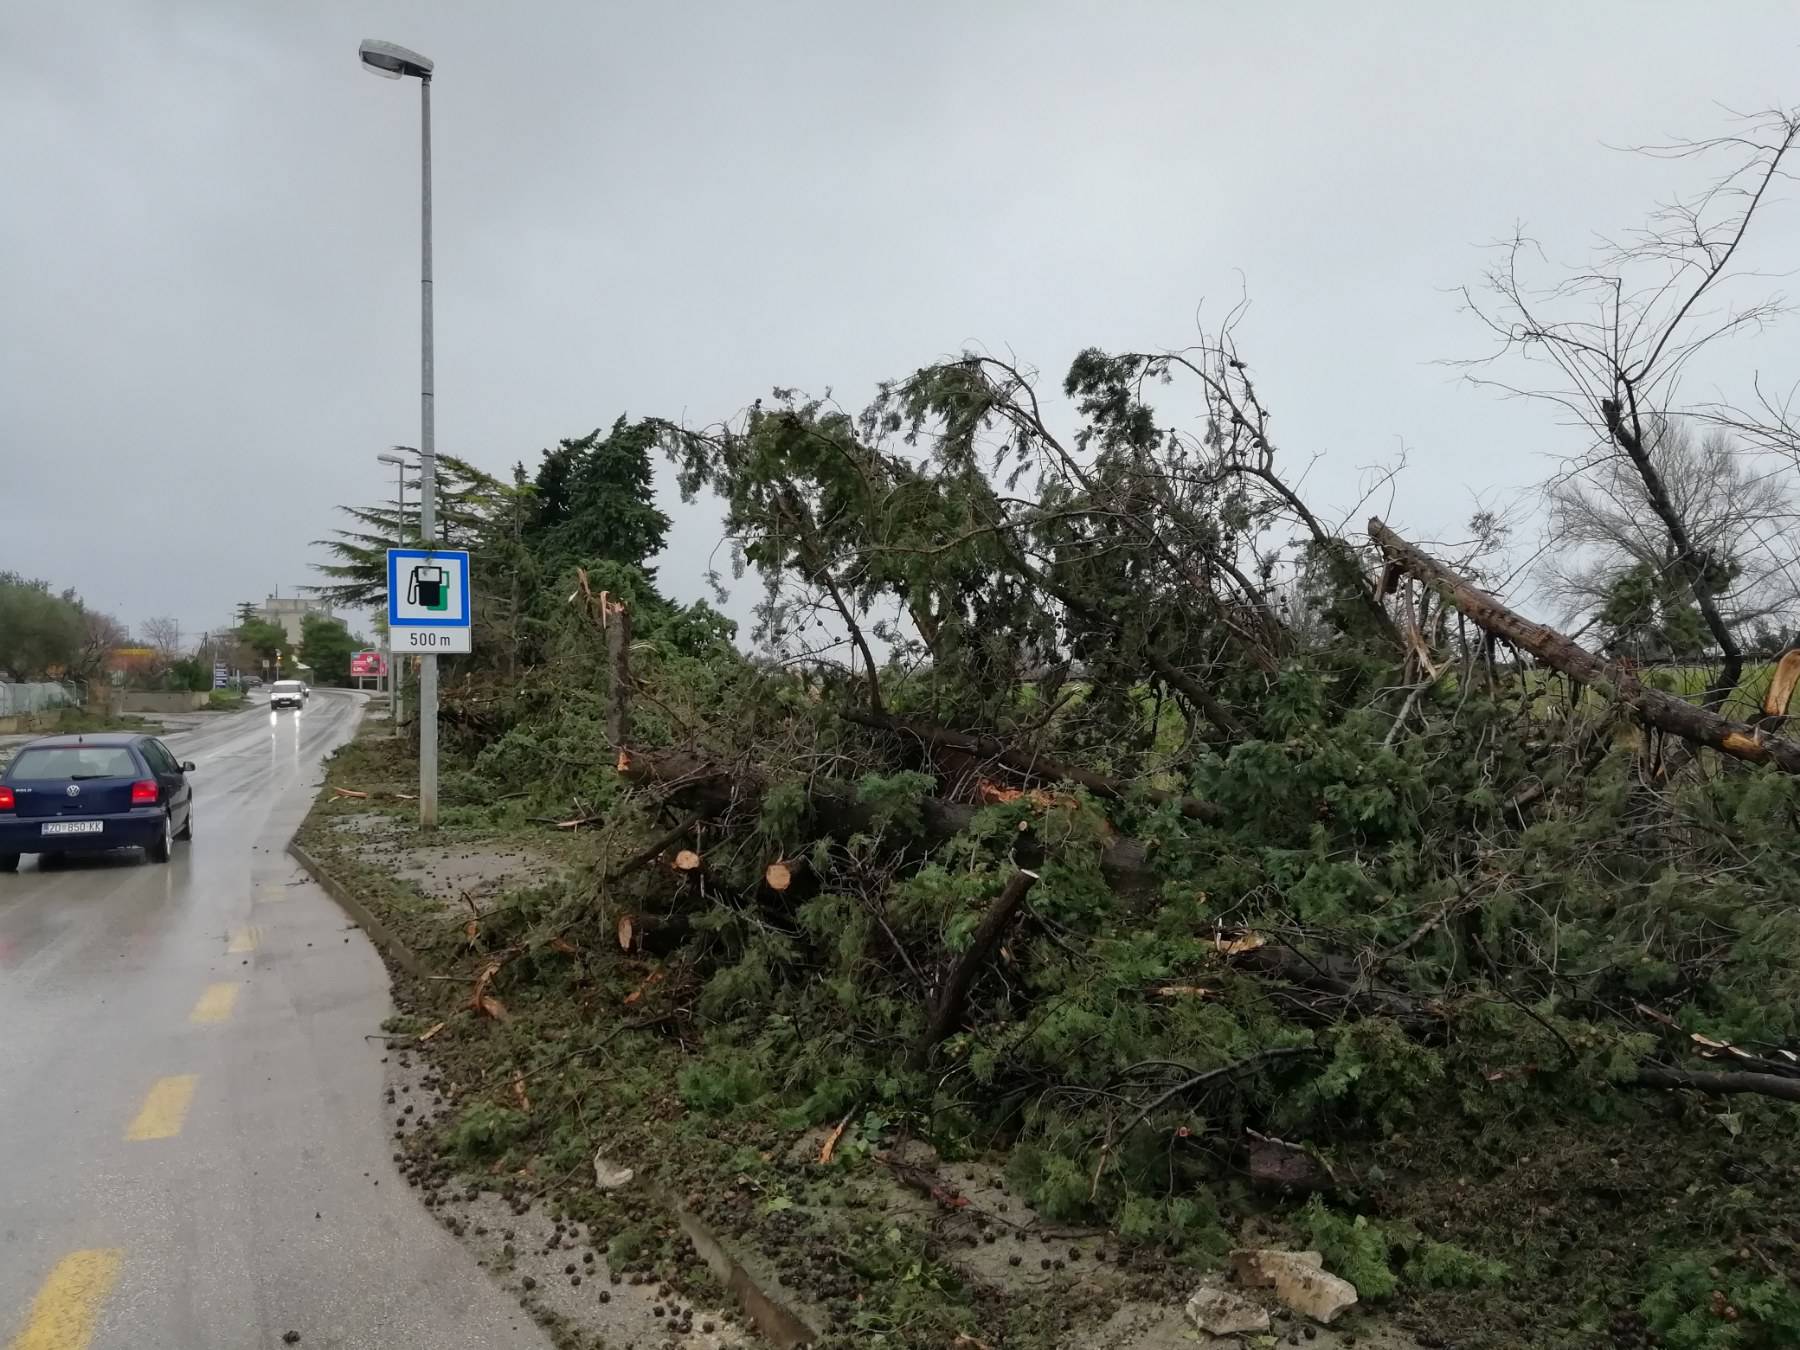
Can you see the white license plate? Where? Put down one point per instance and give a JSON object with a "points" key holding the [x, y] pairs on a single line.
{"points": [[74, 826]]}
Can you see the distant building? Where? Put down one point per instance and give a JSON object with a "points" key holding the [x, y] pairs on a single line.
{"points": [[291, 610]]}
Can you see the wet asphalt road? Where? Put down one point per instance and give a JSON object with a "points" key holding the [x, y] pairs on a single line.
{"points": [[190, 1114]]}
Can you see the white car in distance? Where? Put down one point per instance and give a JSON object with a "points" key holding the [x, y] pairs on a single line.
{"points": [[288, 694]]}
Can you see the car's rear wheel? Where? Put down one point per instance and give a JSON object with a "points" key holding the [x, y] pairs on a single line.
{"points": [[9, 862], [187, 826], [160, 851]]}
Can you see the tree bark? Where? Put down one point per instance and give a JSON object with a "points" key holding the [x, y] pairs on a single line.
{"points": [[1721, 1084], [1702, 726], [1693, 567], [655, 934], [618, 650]]}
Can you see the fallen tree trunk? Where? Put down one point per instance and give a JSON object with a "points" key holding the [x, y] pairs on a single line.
{"points": [[1663, 711], [1720, 1084], [1029, 762]]}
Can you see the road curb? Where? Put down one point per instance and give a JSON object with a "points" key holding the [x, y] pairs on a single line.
{"points": [[774, 1319], [392, 947]]}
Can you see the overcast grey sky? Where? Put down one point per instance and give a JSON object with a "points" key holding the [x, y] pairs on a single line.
{"points": [[208, 227]]}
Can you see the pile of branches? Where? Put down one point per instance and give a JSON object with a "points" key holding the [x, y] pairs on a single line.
{"points": [[1142, 825]]}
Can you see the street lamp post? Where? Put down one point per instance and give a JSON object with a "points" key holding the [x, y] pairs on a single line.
{"points": [[392, 62]]}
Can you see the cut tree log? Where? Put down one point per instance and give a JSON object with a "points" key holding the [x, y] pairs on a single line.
{"points": [[1663, 711], [653, 852], [785, 873], [655, 934], [947, 1007]]}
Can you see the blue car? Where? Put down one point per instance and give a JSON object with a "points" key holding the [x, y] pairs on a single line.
{"points": [[89, 794]]}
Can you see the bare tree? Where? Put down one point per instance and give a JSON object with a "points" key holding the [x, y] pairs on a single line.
{"points": [[1738, 519], [1616, 337], [163, 634], [101, 635]]}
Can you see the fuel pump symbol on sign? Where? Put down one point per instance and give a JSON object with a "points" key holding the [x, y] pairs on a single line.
{"points": [[429, 601], [428, 586]]}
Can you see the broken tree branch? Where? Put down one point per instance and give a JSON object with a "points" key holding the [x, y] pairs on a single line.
{"points": [[1224, 1071], [1663, 711], [653, 852], [1780, 692], [1720, 1084], [947, 1008]]}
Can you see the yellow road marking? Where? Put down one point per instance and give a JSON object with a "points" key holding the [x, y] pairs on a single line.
{"points": [[68, 1304], [215, 1004], [164, 1109], [271, 893], [243, 940]]}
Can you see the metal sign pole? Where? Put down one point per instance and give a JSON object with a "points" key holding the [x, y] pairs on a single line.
{"points": [[428, 690]]}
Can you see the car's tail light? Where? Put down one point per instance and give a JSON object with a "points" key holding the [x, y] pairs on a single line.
{"points": [[8, 802], [144, 793]]}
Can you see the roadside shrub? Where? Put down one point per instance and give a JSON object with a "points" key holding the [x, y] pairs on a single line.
{"points": [[1695, 1304], [1444, 1265], [1355, 1249]]}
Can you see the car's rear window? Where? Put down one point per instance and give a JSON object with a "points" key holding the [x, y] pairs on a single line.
{"points": [[74, 761]]}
